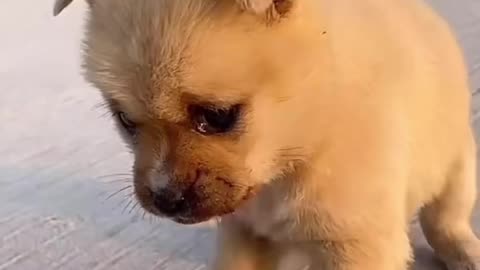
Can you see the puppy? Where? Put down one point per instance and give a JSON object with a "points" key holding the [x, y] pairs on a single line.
{"points": [[314, 126]]}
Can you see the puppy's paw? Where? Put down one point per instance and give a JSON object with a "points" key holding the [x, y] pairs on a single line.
{"points": [[463, 265], [468, 257]]}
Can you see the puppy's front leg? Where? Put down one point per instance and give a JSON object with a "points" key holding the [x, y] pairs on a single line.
{"points": [[238, 249], [371, 254]]}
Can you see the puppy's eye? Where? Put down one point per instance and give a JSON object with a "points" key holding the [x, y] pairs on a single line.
{"points": [[127, 124], [214, 121]]}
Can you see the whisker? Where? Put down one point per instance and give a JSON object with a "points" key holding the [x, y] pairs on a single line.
{"points": [[101, 105], [133, 207], [150, 219], [118, 191], [114, 175], [104, 107], [106, 113], [121, 202], [126, 206], [138, 210], [124, 180]]}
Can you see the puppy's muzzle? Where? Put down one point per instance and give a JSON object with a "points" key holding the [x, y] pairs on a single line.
{"points": [[194, 197], [187, 198]]}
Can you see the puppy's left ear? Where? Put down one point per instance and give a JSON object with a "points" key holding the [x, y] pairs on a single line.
{"points": [[60, 5], [269, 8]]}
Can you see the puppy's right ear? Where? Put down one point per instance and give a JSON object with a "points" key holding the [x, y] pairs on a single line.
{"points": [[60, 5]]}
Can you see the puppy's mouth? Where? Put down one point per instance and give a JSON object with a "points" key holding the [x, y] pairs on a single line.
{"points": [[200, 201]]}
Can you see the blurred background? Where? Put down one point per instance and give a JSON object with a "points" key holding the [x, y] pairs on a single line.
{"points": [[64, 199]]}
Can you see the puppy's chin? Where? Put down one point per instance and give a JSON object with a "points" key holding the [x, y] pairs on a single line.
{"points": [[198, 206]]}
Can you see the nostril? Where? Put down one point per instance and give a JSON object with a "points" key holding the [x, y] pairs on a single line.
{"points": [[167, 203]]}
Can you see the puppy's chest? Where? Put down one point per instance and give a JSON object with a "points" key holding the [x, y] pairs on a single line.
{"points": [[272, 214]]}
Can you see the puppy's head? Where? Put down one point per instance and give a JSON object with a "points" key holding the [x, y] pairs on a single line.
{"points": [[210, 95]]}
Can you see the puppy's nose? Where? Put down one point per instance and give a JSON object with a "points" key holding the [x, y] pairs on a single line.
{"points": [[169, 203]]}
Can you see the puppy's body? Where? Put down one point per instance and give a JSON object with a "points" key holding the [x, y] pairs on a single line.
{"points": [[355, 114]]}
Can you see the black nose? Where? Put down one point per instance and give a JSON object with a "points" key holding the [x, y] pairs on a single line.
{"points": [[168, 203]]}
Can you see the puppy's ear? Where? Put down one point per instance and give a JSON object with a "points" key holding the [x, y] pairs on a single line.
{"points": [[60, 5], [270, 8]]}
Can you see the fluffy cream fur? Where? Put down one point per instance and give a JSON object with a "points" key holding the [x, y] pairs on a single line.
{"points": [[357, 116]]}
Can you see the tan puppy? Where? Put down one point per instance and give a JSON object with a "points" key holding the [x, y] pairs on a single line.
{"points": [[318, 126]]}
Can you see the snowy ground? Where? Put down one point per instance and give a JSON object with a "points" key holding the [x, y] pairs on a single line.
{"points": [[56, 152]]}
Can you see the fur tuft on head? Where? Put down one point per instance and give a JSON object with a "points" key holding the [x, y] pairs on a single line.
{"points": [[272, 9]]}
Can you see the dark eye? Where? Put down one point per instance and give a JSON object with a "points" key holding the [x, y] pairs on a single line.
{"points": [[209, 121], [127, 124]]}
